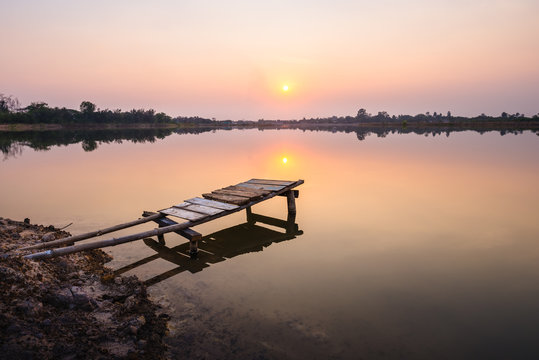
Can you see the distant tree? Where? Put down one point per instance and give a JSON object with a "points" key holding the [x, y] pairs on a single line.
{"points": [[382, 116], [504, 115], [449, 115], [3, 106], [8, 103], [87, 107], [39, 112], [362, 115]]}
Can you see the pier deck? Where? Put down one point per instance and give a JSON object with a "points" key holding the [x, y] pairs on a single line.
{"points": [[195, 211]]}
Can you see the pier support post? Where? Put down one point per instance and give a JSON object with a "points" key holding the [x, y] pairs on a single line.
{"points": [[161, 239], [193, 247], [250, 219], [291, 201], [291, 226]]}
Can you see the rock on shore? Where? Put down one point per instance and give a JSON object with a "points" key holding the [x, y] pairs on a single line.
{"points": [[71, 307]]}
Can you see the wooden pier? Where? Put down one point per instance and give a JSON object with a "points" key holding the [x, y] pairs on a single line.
{"points": [[196, 211]]}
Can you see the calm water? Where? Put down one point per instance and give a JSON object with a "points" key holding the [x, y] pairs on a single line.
{"points": [[412, 247]]}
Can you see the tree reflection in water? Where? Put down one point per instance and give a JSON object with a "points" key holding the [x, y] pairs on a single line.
{"points": [[12, 143]]}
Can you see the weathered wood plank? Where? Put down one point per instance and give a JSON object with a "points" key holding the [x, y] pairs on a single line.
{"points": [[236, 200], [237, 193], [181, 205], [212, 203], [247, 190], [200, 208], [232, 193], [182, 213], [262, 186], [270, 182]]}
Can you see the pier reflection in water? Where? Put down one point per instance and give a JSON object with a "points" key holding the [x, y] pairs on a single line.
{"points": [[248, 237]]}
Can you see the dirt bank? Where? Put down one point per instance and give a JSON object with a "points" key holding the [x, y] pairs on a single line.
{"points": [[71, 307]]}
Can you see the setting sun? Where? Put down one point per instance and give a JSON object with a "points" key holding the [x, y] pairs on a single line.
{"points": [[285, 160], [285, 87]]}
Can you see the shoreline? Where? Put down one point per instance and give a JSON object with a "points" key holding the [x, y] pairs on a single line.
{"points": [[72, 306], [55, 127], [528, 124]]}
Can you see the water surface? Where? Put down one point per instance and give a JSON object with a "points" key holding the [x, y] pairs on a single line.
{"points": [[412, 247]]}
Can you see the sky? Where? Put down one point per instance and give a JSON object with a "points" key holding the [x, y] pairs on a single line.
{"points": [[231, 59]]}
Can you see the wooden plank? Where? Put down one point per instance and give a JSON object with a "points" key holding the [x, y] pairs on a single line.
{"points": [[262, 186], [227, 198], [184, 214], [233, 193], [199, 208], [270, 182], [237, 193], [248, 190], [212, 203]]}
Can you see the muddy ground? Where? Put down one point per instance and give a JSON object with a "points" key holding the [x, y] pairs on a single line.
{"points": [[71, 307]]}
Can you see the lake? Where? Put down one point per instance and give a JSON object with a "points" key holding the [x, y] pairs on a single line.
{"points": [[413, 246]]}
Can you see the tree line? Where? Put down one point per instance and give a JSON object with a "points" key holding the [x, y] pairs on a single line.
{"points": [[363, 116], [41, 113]]}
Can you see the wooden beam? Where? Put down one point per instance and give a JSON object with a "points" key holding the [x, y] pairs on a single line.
{"points": [[296, 193], [189, 234], [105, 243], [73, 239]]}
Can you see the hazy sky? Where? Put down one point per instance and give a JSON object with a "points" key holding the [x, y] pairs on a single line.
{"points": [[230, 59]]}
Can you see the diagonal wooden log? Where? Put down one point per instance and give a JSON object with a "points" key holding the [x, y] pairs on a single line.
{"points": [[72, 239], [105, 243]]}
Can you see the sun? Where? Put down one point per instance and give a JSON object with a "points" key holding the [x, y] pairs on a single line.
{"points": [[285, 87], [285, 160]]}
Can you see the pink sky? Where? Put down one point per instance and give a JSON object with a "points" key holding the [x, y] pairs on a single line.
{"points": [[229, 60]]}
